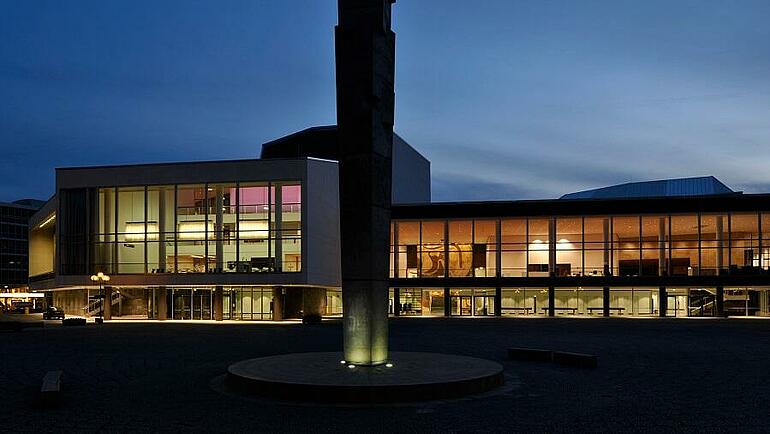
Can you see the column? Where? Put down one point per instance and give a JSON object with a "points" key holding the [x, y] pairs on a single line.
{"points": [[606, 301], [219, 255], [551, 301], [552, 247], [161, 300], [277, 303], [498, 301], [162, 231], [447, 306], [662, 301], [107, 302], [396, 302], [278, 202], [720, 301], [720, 244], [662, 269], [607, 258], [218, 307]]}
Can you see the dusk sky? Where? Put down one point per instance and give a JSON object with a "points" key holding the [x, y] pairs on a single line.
{"points": [[508, 99]]}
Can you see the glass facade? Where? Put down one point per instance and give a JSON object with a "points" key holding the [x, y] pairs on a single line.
{"points": [[199, 228], [634, 245]]}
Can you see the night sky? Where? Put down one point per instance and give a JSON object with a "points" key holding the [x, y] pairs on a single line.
{"points": [[508, 99]]}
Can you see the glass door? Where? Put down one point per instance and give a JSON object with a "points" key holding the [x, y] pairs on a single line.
{"points": [[201, 304], [484, 305], [182, 303]]}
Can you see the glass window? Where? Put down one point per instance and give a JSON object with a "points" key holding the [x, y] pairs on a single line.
{"points": [[537, 248], [654, 245], [713, 243], [460, 248], [625, 246], [484, 248], [569, 246], [684, 245], [766, 241], [513, 241], [290, 230], [254, 228], [744, 243], [193, 226], [432, 263], [131, 230], [160, 229], [597, 253], [408, 248]]}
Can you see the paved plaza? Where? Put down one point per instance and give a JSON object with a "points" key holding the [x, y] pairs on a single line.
{"points": [[653, 375]]}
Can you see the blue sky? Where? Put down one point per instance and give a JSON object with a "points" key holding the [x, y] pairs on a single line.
{"points": [[508, 99]]}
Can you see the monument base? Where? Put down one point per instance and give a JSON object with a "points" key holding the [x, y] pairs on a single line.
{"points": [[324, 377]]}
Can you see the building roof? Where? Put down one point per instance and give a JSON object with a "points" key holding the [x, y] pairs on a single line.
{"points": [[697, 186]]}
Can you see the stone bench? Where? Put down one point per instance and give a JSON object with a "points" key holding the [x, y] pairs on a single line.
{"points": [[51, 388], [530, 354], [575, 359]]}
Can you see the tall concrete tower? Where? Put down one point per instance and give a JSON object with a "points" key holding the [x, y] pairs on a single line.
{"points": [[365, 55]]}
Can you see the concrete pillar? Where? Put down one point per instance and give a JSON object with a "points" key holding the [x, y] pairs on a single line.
{"points": [[219, 243], [551, 301], [606, 301], [447, 304], [161, 300], [314, 301], [218, 306], [277, 304], [662, 301], [292, 302], [365, 61], [278, 248], [607, 257], [720, 301], [662, 269], [162, 231], [552, 247], [107, 302], [396, 301], [498, 301], [720, 244]]}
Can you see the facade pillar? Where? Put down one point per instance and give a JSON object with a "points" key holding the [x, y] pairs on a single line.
{"points": [[107, 303], [606, 301], [219, 232], [720, 301], [218, 306], [607, 257], [277, 304], [720, 244], [278, 203], [447, 306], [313, 301], [662, 269], [161, 232], [552, 247], [498, 301], [662, 302], [551, 301], [396, 302], [161, 301]]}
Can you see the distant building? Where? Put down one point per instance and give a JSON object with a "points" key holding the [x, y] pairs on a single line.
{"points": [[14, 218]]}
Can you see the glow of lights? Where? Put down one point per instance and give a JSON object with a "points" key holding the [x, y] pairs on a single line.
{"points": [[195, 230], [252, 229], [342, 362], [351, 366], [135, 231], [388, 365], [48, 220], [564, 241], [537, 241]]}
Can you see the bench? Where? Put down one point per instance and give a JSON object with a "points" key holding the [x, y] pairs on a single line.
{"points": [[516, 309], [556, 309], [530, 354], [616, 309], [575, 359], [51, 388]]}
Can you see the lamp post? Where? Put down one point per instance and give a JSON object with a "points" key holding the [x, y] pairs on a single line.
{"points": [[101, 278]]}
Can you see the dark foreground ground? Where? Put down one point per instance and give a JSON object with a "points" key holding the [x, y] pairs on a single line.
{"points": [[653, 375]]}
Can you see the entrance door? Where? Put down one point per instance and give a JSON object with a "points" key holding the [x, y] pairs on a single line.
{"points": [[484, 305], [701, 302], [182, 303], [201, 300]]}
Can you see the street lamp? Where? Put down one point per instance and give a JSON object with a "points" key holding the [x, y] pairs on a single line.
{"points": [[101, 278]]}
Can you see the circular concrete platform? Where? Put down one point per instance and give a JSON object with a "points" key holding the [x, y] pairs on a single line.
{"points": [[321, 377]]}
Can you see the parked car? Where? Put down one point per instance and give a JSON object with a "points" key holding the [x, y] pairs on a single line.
{"points": [[53, 312]]}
